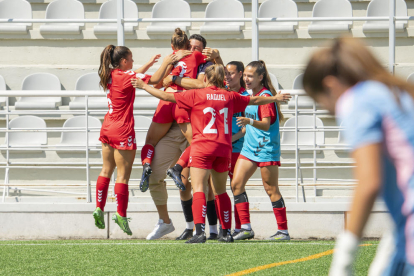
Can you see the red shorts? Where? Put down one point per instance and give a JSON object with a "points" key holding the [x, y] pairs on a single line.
{"points": [[117, 141], [261, 164], [168, 112], [219, 164], [234, 157]]}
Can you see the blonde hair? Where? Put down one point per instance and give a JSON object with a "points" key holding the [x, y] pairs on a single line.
{"points": [[215, 75], [351, 62], [179, 40]]}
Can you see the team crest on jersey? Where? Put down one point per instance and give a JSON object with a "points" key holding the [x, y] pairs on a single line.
{"points": [[183, 68]]}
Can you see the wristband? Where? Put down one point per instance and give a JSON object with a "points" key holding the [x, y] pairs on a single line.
{"points": [[251, 121], [174, 78]]}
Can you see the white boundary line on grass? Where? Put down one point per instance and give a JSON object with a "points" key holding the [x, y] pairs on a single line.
{"points": [[155, 243]]}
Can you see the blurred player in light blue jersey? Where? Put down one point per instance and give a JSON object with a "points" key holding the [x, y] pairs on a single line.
{"points": [[377, 110]]}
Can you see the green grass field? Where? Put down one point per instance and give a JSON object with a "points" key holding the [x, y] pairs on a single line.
{"points": [[138, 257]]}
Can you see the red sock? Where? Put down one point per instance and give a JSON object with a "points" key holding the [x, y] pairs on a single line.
{"points": [[280, 214], [199, 207], [121, 194], [224, 206], [217, 207], [243, 211], [236, 218], [147, 153], [102, 185], [184, 158]]}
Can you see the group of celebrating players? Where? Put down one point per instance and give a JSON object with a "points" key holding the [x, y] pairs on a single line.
{"points": [[206, 125], [209, 123]]}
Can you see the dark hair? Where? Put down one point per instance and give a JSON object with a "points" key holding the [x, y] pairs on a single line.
{"points": [[179, 40], [240, 68], [199, 38], [351, 62], [215, 75], [261, 70], [110, 59]]}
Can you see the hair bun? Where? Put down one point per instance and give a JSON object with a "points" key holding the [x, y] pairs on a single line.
{"points": [[179, 32]]}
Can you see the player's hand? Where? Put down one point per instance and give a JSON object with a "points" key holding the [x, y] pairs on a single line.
{"points": [[171, 59], [210, 53], [242, 121], [182, 54], [138, 83], [167, 81], [154, 59], [345, 250], [282, 98]]}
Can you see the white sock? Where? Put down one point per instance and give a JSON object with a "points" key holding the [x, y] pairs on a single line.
{"points": [[284, 231], [190, 225], [213, 229], [246, 226]]}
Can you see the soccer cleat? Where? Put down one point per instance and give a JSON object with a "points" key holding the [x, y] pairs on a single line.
{"points": [[235, 233], [279, 236], [213, 237], [198, 238], [176, 176], [187, 234], [227, 238], [244, 235], [98, 215], [123, 223], [146, 172], [161, 229], [220, 234]]}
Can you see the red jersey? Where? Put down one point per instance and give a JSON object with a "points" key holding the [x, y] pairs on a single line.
{"points": [[118, 126], [187, 67], [267, 110], [211, 112]]}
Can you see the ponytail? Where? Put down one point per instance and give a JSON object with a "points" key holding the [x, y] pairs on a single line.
{"points": [[110, 59], [215, 75], [240, 68], [261, 70], [179, 40]]}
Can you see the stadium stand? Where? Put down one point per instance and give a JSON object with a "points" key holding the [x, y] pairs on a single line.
{"points": [[305, 139], [279, 9], [140, 136], [223, 9], [274, 81], [27, 138], [40, 81], [86, 82], [108, 11], [77, 138], [63, 9], [162, 9], [381, 8], [15, 9], [2, 88], [303, 101], [331, 8], [410, 78]]}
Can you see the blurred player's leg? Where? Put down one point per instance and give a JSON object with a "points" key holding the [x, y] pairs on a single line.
{"points": [[243, 170], [211, 212], [383, 257], [187, 203], [270, 175], [102, 184]]}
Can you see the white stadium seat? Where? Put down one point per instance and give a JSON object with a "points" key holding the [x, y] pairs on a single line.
{"points": [[40, 81], [381, 8], [18, 9], [108, 10], [2, 88], [86, 82], [63, 9], [275, 83], [140, 136], [303, 101], [78, 138], [331, 8], [411, 78], [144, 101], [223, 9], [305, 139], [278, 9], [27, 138], [162, 9]]}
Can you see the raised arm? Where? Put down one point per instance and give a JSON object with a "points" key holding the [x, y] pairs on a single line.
{"points": [[148, 65], [138, 83], [163, 70], [259, 100]]}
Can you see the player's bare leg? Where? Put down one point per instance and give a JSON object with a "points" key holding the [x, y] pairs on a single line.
{"points": [[243, 171], [155, 132], [270, 176]]}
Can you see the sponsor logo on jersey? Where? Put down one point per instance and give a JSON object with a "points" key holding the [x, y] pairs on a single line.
{"points": [[129, 139], [216, 97], [129, 144], [122, 144]]}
